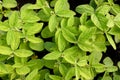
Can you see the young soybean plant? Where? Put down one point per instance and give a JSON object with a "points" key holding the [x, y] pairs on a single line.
{"points": [[24, 32]]}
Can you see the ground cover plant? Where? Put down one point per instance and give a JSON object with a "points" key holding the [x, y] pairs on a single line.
{"points": [[46, 40]]}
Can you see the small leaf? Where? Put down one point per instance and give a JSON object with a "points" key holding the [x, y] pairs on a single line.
{"points": [[5, 50], [53, 55], [85, 9], [108, 62], [34, 39], [63, 69], [69, 36], [54, 77], [36, 28], [83, 18], [114, 31], [37, 46], [3, 68], [53, 23], [23, 53], [61, 5], [23, 70], [112, 69], [49, 46], [118, 64], [3, 27], [111, 41], [115, 9], [9, 3], [65, 13], [62, 40], [71, 21], [46, 33], [70, 73], [32, 74]]}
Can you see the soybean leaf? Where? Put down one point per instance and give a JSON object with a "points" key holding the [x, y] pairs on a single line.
{"points": [[9, 3], [100, 21], [23, 53], [23, 70], [5, 50], [32, 75], [3, 27], [53, 23], [53, 55], [55, 77], [62, 40], [61, 5], [13, 39], [34, 29], [85, 9], [28, 15], [86, 35], [37, 46], [34, 39], [63, 69], [114, 31], [13, 19], [46, 33], [111, 41], [108, 62], [71, 21], [69, 36], [65, 13]]}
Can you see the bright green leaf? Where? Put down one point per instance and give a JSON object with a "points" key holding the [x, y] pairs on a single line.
{"points": [[63, 69], [9, 3], [32, 75], [23, 70], [5, 50], [108, 62], [54, 77], [53, 55], [71, 21], [34, 39], [23, 53]]}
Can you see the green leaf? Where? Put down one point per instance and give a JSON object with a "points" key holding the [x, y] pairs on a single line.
{"points": [[40, 3], [112, 69], [118, 64], [108, 62], [61, 5], [53, 55], [3, 69], [115, 9], [46, 33], [100, 21], [71, 21], [103, 9], [117, 20], [85, 9], [53, 23], [55, 77], [13, 19], [110, 2], [36, 28], [3, 27], [111, 41], [13, 39], [9, 3], [23, 70], [61, 42], [34, 39], [70, 73], [107, 78], [28, 15], [87, 34], [83, 18], [63, 69], [65, 13], [32, 75], [49, 46], [69, 36], [114, 31], [23, 53], [5, 50], [37, 46]]}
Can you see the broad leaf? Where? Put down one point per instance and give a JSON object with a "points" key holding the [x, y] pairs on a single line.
{"points": [[9, 3], [53, 55], [34, 39], [83, 18], [85, 9], [36, 28], [53, 23], [61, 5], [63, 69], [69, 36], [32, 75], [65, 13], [70, 73], [23, 53], [108, 62], [5, 50], [71, 21], [23, 70], [114, 31]]}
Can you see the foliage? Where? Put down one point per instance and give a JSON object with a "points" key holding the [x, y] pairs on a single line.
{"points": [[24, 32]]}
